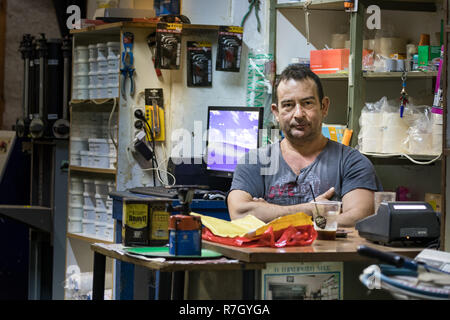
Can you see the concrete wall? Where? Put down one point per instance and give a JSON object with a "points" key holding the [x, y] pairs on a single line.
{"points": [[24, 16]]}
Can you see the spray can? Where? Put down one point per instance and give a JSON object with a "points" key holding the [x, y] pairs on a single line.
{"points": [[185, 235]]}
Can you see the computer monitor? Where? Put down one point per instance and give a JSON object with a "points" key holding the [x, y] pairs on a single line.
{"points": [[232, 131]]}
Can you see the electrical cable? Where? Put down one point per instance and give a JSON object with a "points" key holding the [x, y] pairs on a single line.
{"points": [[388, 155]]}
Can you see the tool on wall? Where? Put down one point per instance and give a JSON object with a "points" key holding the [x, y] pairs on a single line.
{"points": [[253, 4], [127, 63], [307, 13], [404, 95], [26, 49], [38, 124], [151, 41], [168, 45], [199, 64], [61, 127], [154, 113], [229, 48]]}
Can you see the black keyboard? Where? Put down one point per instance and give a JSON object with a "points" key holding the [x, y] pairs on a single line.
{"points": [[163, 192], [156, 191]]}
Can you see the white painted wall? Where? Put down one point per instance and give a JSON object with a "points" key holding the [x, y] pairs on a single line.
{"points": [[186, 108]]}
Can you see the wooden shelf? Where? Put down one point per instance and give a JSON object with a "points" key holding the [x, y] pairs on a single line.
{"points": [[92, 170], [403, 5], [409, 75], [380, 75], [117, 26], [87, 238], [93, 101], [333, 76], [381, 159]]}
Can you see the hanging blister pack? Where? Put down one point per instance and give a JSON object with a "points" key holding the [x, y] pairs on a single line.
{"points": [[199, 64], [154, 113], [168, 45], [229, 48]]}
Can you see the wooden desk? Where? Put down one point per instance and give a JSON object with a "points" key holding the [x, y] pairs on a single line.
{"points": [[341, 249], [167, 266]]}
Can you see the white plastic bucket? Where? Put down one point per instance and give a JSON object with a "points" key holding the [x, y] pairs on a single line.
{"points": [[92, 51], [81, 53], [76, 184], [75, 198], [89, 199], [89, 227], [75, 225], [113, 49], [102, 66], [101, 188], [82, 81], [92, 65], [102, 51], [113, 65], [113, 79], [92, 91], [100, 201], [83, 93], [100, 229], [89, 186], [81, 67], [88, 213], [101, 215], [76, 211], [113, 91]]}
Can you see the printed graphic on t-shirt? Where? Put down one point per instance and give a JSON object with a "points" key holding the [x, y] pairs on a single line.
{"points": [[294, 192]]}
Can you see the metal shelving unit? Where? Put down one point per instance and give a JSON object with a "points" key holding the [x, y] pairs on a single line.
{"points": [[358, 80]]}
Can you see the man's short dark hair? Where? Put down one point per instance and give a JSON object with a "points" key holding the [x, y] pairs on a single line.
{"points": [[299, 72]]}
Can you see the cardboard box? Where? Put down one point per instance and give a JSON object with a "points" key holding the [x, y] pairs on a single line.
{"points": [[329, 61], [334, 60], [424, 55]]}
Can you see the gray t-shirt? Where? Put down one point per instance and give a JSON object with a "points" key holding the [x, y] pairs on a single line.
{"points": [[265, 174]]}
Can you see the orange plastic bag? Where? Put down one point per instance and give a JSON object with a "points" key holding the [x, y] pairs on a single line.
{"points": [[287, 237]]}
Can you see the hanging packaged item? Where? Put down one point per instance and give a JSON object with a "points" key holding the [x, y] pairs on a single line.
{"points": [[199, 64], [260, 74], [168, 45], [229, 48], [154, 113]]}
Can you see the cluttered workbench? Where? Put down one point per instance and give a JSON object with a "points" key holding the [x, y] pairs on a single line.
{"points": [[340, 250], [328, 255]]}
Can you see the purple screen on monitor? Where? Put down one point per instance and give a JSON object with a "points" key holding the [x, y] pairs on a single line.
{"points": [[231, 133]]}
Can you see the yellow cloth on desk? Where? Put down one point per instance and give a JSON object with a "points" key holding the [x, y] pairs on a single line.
{"points": [[250, 226]]}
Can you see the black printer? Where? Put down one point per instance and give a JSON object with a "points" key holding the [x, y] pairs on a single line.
{"points": [[401, 223]]}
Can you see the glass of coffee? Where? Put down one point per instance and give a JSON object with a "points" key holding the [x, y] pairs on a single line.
{"points": [[325, 215]]}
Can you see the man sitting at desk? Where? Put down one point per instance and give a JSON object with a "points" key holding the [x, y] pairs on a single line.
{"points": [[276, 180]]}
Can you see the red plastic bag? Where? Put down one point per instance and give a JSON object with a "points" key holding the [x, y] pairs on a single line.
{"points": [[288, 237]]}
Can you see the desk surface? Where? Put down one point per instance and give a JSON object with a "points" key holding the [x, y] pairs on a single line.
{"points": [[178, 265], [341, 249]]}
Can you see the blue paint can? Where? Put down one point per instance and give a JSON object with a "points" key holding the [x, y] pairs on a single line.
{"points": [[185, 235]]}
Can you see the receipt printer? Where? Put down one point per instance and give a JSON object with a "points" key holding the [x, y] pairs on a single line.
{"points": [[401, 223]]}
